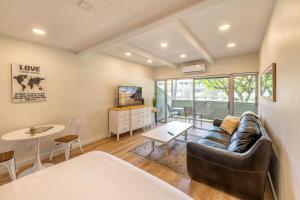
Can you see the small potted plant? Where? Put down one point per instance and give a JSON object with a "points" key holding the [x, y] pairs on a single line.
{"points": [[154, 103], [155, 110]]}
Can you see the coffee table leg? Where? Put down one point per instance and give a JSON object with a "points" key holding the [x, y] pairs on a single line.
{"points": [[185, 135], [152, 145], [166, 149]]}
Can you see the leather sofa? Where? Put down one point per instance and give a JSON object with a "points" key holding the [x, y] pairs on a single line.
{"points": [[237, 163]]}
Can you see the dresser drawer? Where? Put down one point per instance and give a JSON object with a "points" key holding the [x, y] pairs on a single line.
{"points": [[137, 123], [123, 118], [147, 122], [123, 130], [137, 116], [123, 126], [123, 113], [148, 109], [147, 119], [141, 110], [147, 114], [137, 126], [135, 111]]}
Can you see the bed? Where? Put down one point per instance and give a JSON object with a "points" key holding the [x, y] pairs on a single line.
{"points": [[92, 176]]}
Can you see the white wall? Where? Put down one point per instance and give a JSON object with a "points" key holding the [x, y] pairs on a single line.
{"points": [[282, 118], [76, 86], [235, 64]]}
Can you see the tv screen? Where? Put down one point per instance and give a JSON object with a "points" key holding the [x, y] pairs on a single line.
{"points": [[130, 95]]}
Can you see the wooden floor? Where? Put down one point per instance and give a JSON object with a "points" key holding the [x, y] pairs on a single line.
{"points": [[126, 143]]}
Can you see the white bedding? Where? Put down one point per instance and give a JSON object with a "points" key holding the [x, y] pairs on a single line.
{"points": [[92, 176]]}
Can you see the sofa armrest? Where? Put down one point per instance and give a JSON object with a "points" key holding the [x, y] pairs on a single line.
{"points": [[252, 160], [217, 122]]}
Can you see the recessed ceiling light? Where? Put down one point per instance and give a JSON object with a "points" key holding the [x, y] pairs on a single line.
{"points": [[38, 31], [85, 5], [224, 27], [231, 45], [182, 56], [164, 45], [128, 54], [149, 61]]}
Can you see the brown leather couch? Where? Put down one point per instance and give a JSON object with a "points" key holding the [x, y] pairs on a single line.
{"points": [[236, 163]]}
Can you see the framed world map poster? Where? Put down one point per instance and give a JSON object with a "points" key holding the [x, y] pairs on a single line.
{"points": [[28, 83]]}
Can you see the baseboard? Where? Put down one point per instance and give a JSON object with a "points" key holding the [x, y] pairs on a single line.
{"points": [[56, 152], [272, 186]]}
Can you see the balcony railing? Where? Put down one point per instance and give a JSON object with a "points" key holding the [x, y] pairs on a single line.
{"points": [[212, 109]]}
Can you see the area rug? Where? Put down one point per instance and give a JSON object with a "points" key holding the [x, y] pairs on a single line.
{"points": [[176, 160]]}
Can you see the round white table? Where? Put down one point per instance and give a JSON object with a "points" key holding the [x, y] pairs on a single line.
{"points": [[22, 134]]}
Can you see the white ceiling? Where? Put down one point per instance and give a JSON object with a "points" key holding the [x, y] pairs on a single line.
{"points": [[248, 21], [139, 26], [151, 40], [70, 27]]}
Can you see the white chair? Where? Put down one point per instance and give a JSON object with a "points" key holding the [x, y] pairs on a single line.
{"points": [[74, 128], [7, 159]]}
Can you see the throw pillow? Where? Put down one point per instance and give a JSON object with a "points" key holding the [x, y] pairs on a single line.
{"points": [[230, 123]]}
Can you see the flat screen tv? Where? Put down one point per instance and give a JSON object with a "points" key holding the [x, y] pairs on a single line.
{"points": [[129, 96]]}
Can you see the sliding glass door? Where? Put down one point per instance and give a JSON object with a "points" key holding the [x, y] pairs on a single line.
{"points": [[211, 99], [200, 100], [161, 100], [180, 100]]}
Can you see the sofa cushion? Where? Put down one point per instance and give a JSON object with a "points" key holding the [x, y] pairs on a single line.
{"points": [[248, 127], [243, 143], [217, 129], [222, 138], [246, 135], [249, 123], [212, 144]]}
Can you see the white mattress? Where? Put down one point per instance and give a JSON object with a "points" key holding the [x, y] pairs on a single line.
{"points": [[92, 176]]}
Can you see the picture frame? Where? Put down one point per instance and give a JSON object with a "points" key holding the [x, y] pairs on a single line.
{"points": [[268, 83], [29, 83]]}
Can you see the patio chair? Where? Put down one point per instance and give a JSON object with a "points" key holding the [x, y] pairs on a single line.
{"points": [[188, 114], [172, 112]]}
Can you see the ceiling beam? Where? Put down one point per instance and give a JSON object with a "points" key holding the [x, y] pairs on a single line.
{"points": [[188, 35], [147, 55], [145, 26]]}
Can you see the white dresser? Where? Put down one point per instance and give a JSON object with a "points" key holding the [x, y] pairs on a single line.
{"points": [[128, 119]]}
